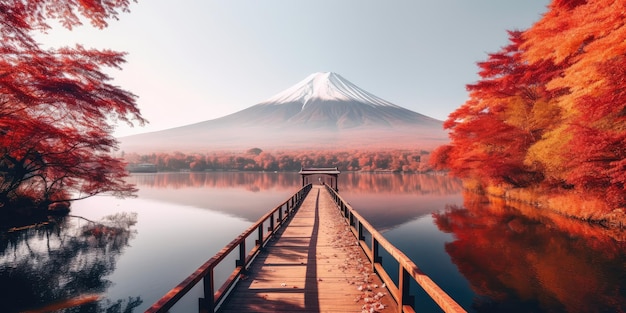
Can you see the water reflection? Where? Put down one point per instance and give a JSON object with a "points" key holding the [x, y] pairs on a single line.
{"points": [[245, 195], [388, 200], [252, 181], [183, 219], [487, 255], [518, 262], [396, 183], [63, 264], [354, 182], [385, 199]]}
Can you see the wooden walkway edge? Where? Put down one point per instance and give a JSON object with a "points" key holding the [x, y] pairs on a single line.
{"points": [[313, 265]]}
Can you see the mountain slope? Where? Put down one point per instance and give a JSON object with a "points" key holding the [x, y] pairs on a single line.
{"points": [[324, 111], [327, 99]]}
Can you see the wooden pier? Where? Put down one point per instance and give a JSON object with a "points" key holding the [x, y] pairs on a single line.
{"points": [[314, 265], [313, 258]]}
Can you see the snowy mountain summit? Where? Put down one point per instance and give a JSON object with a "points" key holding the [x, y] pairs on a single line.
{"points": [[326, 86], [322, 111], [327, 100]]}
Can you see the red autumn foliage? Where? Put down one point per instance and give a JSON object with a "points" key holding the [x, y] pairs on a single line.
{"points": [[56, 106], [549, 112], [492, 131]]}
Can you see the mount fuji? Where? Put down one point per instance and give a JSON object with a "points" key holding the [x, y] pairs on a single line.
{"points": [[323, 111]]}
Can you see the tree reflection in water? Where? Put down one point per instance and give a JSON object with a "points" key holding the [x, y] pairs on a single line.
{"points": [[519, 261], [355, 182], [62, 265], [385, 199]]}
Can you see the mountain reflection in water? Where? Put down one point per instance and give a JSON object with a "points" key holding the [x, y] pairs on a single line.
{"points": [[62, 265]]}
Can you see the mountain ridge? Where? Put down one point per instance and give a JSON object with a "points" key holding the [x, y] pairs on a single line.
{"points": [[322, 111]]}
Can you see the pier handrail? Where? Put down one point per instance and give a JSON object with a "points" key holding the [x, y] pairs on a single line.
{"points": [[407, 269], [205, 272]]}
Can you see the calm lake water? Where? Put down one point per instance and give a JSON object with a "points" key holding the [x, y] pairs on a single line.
{"points": [[122, 255]]}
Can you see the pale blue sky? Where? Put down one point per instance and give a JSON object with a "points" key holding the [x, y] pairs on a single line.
{"points": [[190, 61]]}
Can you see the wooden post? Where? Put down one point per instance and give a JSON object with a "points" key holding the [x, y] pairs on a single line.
{"points": [[259, 241], [207, 304], [271, 227], [404, 283], [361, 236], [351, 219], [375, 257], [242, 255]]}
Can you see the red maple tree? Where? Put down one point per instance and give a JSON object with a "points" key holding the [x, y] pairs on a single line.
{"points": [[57, 106], [508, 111]]}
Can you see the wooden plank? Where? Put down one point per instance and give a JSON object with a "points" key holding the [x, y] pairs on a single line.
{"points": [[314, 265]]}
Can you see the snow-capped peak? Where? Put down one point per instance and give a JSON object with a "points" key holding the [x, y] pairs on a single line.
{"points": [[326, 86]]}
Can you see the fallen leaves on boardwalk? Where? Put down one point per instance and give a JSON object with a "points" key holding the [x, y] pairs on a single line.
{"points": [[371, 293], [315, 264]]}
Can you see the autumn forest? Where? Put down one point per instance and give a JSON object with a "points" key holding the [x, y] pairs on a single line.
{"points": [[255, 159], [546, 122]]}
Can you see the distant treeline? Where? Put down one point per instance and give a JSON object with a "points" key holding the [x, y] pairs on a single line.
{"points": [[256, 159]]}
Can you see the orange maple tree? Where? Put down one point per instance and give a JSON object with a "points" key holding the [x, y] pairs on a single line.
{"points": [[508, 111], [549, 111], [56, 106]]}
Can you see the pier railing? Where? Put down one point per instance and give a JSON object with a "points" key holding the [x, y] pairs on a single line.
{"points": [[407, 269], [212, 297]]}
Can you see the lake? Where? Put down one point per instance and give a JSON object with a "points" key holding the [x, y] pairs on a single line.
{"points": [[122, 255]]}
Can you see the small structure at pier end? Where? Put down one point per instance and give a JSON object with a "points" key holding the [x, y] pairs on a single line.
{"points": [[331, 172]]}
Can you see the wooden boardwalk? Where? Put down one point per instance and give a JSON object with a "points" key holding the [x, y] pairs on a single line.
{"points": [[314, 257], [313, 265]]}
